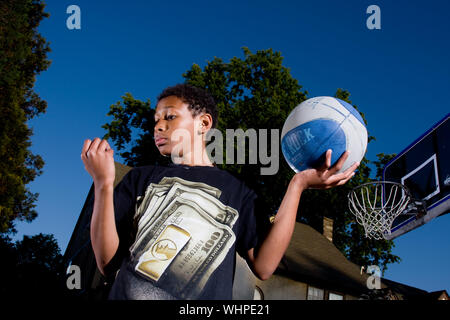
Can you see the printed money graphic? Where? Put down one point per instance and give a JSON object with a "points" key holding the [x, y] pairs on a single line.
{"points": [[184, 232], [155, 261]]}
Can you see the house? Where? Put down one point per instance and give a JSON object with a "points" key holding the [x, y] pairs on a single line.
{"points": [[438, 295], [311, 269], [314, 269]]}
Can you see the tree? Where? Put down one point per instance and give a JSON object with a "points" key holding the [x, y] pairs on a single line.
{"points": [[138, 115], [257, 92], [23, 55], [31, 268]]}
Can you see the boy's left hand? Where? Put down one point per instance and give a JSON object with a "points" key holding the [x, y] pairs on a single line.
{"points": [[326, 177]]}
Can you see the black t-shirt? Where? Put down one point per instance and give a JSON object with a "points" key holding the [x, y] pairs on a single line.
{"points": [[179, 228]]}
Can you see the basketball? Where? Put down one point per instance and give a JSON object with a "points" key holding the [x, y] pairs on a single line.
{"points": [[319, 124]]}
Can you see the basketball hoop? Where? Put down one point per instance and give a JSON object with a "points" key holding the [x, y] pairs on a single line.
{"points": [[377, 204]]}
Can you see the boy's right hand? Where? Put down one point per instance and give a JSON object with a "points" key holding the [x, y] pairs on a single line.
{"points": [[327, 176], [98, 160]]}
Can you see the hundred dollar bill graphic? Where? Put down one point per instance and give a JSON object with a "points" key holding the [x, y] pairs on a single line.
{"points": [[158, 257], [213, 207], [219, 211], [156, 196], [155, 191], [205, 243], [193, 184]]}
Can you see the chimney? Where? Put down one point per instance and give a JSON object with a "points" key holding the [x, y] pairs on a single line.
{"points": [[328, 228]]}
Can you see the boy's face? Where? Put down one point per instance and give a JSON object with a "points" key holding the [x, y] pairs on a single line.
{"points": [[171, 114]]}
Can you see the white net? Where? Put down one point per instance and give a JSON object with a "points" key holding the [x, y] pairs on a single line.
{"points": [[376, 205]]}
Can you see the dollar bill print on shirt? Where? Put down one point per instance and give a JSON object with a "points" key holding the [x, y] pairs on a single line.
{"points": [[183, 233]]}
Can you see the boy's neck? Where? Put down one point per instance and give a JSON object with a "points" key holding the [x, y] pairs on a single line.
{"points": [[191, 160]]}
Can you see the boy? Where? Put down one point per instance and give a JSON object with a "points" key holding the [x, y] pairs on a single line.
{"points": [[172, 231]]}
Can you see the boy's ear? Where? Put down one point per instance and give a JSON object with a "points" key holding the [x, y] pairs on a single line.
{"points": [[205, 123]]}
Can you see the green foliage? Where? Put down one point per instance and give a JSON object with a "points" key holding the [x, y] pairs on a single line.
{"points": [[23, 55], [258, 92], [31, 268], [255, 92], [383, 160], [137, 115], [40, 249]]}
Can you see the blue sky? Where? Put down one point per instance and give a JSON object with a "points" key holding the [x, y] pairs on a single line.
{"points": [[398, 76]]}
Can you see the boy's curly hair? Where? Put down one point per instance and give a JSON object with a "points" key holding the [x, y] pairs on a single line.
{"points": [[199, 100]]}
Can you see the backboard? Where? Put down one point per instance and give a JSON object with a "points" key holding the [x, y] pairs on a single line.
{"points": [[423, 167]]}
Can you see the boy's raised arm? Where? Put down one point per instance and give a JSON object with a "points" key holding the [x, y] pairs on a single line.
{"points": [[266, 260], [98, 160]]}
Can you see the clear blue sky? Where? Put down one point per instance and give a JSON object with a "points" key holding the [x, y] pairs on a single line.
{"points": [[398, 76]]}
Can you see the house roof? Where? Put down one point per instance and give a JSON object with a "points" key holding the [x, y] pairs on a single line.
{"points": [[406, 291], [438, 295], [313, 259], [121, 170]]}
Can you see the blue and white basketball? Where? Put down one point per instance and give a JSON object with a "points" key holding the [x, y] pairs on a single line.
{"points": [[319, 124]]}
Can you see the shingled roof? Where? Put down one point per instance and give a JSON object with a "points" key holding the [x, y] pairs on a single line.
{"points": [[406, 292], [313, 259], [121, 170], [438, 295]]}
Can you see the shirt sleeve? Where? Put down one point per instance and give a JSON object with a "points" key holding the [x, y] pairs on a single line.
{"points": [[248, 235]]}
